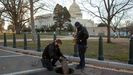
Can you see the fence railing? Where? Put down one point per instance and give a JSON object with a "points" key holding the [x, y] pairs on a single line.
{"points": [[100, 49]]}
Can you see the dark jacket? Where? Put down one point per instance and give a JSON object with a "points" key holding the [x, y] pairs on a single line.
{"points": [[51, 51], [82, 35]]}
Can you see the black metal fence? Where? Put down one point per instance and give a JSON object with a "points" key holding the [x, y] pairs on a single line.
{"points": [[100, 49]]}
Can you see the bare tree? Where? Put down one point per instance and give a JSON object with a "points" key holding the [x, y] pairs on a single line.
{"points": [[1, 20], [33, 10], [106, 10], [116, 21], [17, 11], [32, 23], [2, 23], [10, 27], [129, 26]]}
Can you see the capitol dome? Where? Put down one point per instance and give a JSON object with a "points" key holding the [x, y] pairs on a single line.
{"points": [[75, 11]]}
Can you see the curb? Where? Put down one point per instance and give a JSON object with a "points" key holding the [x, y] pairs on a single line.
{"points": [[26, 72], [29, 52], [114, 65]]}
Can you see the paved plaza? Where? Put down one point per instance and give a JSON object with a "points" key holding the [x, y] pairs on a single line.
{"points": [[12, 63]]}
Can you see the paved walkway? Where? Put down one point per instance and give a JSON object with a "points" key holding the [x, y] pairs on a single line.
{"points": [[17, 62], [43, 39]]}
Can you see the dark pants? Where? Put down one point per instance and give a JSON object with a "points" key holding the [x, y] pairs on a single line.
{"points": [[49, 63], [82, 50], [46, 63], [54, 60], [75, 51]]}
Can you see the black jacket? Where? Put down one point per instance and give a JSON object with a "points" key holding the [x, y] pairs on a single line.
{"points": [[51, 51], [82, 35]]}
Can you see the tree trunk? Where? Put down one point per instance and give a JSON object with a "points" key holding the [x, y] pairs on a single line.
{"points": [[32, 23], [108, 33], [18, 30], [16, 27]]}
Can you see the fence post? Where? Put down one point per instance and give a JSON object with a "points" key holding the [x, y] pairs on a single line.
{"points": [[100, 51], [14, 40], [131, 51], [25, 41], [54, 36], [38, 43], [5, 40]]}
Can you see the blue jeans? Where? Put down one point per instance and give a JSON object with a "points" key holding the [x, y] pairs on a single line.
{"points": [[82, 50]]}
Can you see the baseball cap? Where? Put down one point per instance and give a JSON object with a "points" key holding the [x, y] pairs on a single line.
{"points": [[77, 24]]}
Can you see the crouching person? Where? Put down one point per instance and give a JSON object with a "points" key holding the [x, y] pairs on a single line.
{"points": [[51, 54]]}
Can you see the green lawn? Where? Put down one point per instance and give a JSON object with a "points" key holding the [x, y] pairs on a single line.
{"points": [[21, 36], [116, 51], [29, 35]]}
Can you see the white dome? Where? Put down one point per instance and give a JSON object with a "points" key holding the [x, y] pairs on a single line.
{"points": [[75, 10]]}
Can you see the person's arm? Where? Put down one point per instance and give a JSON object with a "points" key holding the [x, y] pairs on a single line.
{"points": [[59, 52], [62, 56]]}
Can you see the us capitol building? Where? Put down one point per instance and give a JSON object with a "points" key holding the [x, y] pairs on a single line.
{"points": [[76, 15]]}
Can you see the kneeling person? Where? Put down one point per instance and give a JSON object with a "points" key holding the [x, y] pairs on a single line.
{"points": [[51, 54]]}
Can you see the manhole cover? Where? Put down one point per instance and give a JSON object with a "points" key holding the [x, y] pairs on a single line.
{"points": [[60, 71]]}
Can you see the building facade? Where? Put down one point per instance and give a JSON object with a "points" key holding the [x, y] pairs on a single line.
{"points": [[44, 20], [76, 15]]}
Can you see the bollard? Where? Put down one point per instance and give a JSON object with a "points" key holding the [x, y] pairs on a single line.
{"points": [[100, 52], [54, 37], [14, 40], [38, 43], [25, 41], [5, 40], [131, 51]]}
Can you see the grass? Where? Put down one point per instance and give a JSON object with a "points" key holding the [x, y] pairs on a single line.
{"points": [[21, 36], [116, 51], [29, 35]]}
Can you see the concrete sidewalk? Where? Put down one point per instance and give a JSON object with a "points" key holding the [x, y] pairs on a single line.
{"points": [[43, 39], [103, 65]]}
